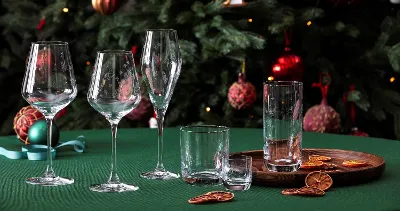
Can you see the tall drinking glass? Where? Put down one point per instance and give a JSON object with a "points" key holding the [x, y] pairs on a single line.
{"points": [[114, 92], [49, 86], [161, 66], [283, 120]]}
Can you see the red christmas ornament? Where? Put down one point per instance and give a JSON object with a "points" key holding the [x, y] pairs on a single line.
{"points": [[322, 118], [142, 111], [106, 7], [354, 130], [41, 24], [288, 67], [242, 94], [24, 120]]}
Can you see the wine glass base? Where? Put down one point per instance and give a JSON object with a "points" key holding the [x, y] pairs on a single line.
{"points": [[113, 188], [49, 181], [160, 175]]}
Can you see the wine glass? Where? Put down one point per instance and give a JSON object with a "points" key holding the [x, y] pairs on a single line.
{"points": [[49, 86], [160, 66], [114, 92]]}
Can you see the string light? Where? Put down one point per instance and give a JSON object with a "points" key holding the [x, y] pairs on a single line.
{"points": [[208, 109], [87, 62], [65, 9], [250, 20], [392, 79], [309, 23], [271, 78]]}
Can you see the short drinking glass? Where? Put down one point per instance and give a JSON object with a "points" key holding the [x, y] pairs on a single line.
{"points": [[283, 117], [204, 151], [49, 86], [237, 174]]}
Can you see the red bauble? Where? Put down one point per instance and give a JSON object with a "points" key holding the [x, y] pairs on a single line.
{"points": [[143, 111], [24, 120], [356, 132], [242, 94], [322, 119], [106, 7], [288, 67]]}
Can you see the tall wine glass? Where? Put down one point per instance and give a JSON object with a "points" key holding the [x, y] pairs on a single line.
{"points": [[114, 92], [160, 65], [49, 86]]}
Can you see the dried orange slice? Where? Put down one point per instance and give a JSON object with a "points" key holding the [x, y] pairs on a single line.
{"points": [[290, 191], [354, 163], [312, 164], [221, 195], [201, 199], [329, 166], [320, 180], [310, 191], [319, 158]]}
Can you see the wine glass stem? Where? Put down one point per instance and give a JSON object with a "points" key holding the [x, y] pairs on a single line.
{"points": [[160, 122], [49, 171], [114, 176]]}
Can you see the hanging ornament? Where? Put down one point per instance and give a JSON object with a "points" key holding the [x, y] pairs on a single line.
{"points": [[24, 119], [288, 67], [354, 129], [142, 111], [106, 7], [242, 94], [153, 121], [41, 24], [37, 133], [322, 118], [234, 3]]}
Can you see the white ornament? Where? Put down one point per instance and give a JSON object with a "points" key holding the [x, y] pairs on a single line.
{"points": [[153, 122], [395, 1]]}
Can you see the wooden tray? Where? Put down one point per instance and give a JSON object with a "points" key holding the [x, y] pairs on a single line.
{"points": [[341, 175]]}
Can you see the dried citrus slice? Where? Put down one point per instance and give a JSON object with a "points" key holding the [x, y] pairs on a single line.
{"points": [[220, 195], [319, 158], [310, 191], [329, 166], [312, 164], [290, 191], [201, 199], [354, 163], [320, 180]]}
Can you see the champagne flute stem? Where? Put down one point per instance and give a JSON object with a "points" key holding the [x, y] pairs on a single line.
{"points": [[113, 175], [49, 171], [160, 122]]}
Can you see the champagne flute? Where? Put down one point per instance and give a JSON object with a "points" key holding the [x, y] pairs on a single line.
{"points": [[160, 66], [114, 92], [49, 86]]}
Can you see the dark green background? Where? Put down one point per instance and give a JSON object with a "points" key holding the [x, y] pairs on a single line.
{"points": [[137, 150]]}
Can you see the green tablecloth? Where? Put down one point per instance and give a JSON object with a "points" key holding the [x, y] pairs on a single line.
{"points": [[137, 150]]}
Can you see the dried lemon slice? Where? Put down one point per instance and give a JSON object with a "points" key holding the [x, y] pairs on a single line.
{"points": [[354, 163], [221, 195], [320, 180], [312, 164], [319, 158]]}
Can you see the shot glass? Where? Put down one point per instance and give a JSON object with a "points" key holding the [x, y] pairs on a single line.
{"points": [[283, 123], [237, 174], [204, 153]]}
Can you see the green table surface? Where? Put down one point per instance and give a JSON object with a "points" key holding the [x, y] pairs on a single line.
{"points": [[137, 152]]}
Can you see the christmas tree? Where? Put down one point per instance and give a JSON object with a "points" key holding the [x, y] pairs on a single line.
{"points": [[352, 40]]}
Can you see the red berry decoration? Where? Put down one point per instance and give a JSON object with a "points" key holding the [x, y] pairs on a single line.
{"points": [[322, 118], [143, 111], [24, 120], [242, 94]]}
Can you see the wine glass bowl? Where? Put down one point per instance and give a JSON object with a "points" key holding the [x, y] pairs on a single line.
{"points": [[49, 86], [114, 92], [160, 66]]}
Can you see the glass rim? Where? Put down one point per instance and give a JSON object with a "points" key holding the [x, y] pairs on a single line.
{"points": [[114, 52], [49, 43], [217, 128], [283, 83]]}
